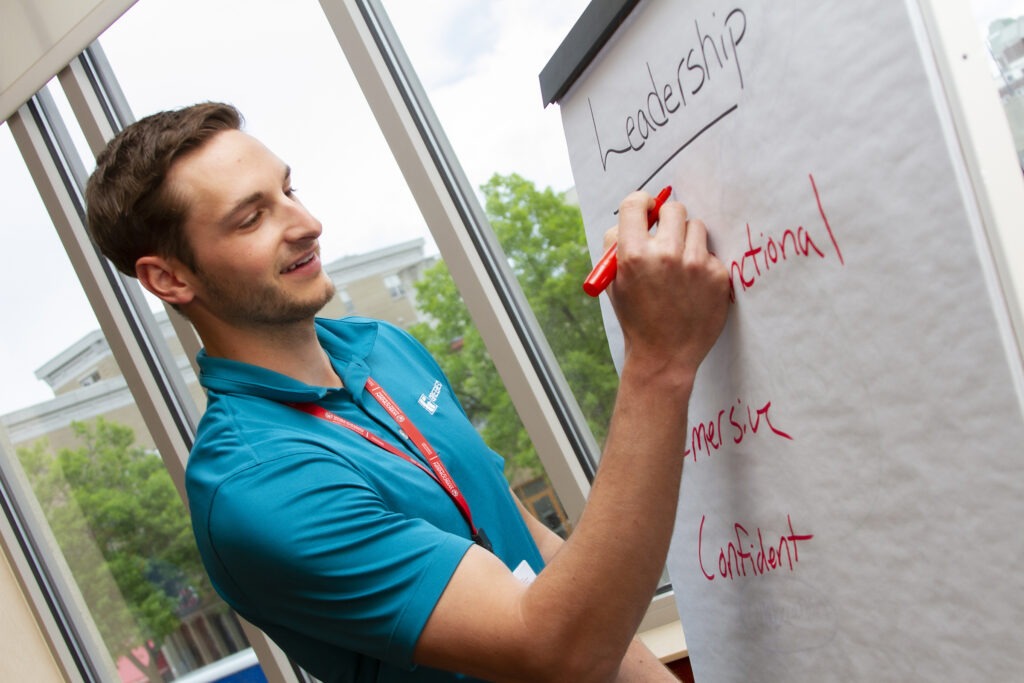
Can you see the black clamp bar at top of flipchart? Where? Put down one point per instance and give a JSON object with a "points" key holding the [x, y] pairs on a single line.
{"points": [[588, 35]]}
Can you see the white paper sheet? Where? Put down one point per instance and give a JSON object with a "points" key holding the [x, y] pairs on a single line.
{"points": [[853, 487]]}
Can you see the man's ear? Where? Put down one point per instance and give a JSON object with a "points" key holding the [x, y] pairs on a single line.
{"points": [[167, 279]]}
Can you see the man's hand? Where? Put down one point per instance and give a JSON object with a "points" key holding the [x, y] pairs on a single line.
{"points": [[670, 294]]}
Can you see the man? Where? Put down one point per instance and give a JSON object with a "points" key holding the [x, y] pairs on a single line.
{"points": [[371, 539]]}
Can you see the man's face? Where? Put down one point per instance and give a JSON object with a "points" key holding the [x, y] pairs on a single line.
{"points": [[255, 245]]}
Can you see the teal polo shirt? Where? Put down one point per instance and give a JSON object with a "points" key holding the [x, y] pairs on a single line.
{"points": [[335, 548]]}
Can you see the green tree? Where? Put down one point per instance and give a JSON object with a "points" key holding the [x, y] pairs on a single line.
{"points": [[125, 535], [543, 239]]}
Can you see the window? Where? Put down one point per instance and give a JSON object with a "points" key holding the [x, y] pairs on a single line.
{"points": [[346, 301], [91, 378], [518, 174], [540, 499], [394, 285]]}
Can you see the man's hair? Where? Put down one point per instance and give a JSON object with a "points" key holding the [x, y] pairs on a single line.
{"points": [[130, 210]]}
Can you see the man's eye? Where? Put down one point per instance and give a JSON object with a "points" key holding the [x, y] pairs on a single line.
{"points": [[251, 219], [290, 192]]}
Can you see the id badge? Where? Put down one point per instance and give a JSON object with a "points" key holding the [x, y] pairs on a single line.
{"points": [[524, 573]]}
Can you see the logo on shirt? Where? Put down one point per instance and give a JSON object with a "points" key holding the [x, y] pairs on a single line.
{"points": [[429, 401]]}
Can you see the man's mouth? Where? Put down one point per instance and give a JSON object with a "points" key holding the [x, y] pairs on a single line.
{"points": [[299, 264]]}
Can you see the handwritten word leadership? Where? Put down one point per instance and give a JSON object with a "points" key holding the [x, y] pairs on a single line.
{"points": [[736, 561], [669, 92]]}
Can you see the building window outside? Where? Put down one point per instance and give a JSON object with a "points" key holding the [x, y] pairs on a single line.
{"points": [[527, 196], [540, 499], [394, 285], [346, 301]]}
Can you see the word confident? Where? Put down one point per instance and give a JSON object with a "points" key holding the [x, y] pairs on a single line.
{"points": [[709, 436], [769, 251], [735, 562], [665, 98]]}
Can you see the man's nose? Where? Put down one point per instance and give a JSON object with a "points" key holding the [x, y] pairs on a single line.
{"points": [[302, 225]]}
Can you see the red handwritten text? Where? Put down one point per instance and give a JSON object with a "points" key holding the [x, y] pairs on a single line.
{"points": [[735, 561], [709, 436], [768, 252]]}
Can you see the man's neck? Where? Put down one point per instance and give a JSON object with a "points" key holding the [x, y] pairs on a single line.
{"points": [[290, 349]]}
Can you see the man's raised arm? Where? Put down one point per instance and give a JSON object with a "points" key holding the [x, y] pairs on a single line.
{"points": [[576, 621]]}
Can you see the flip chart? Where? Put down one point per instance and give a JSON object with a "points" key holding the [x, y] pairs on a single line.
{"points": [[853, 492]]}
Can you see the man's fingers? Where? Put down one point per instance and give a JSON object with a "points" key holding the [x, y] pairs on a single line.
{"points": [[696, 245], [635, 221], [672, 225], [633, 216], [611, 236]]}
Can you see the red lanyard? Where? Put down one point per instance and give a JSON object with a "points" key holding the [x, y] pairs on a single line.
{"points": [[439, 473]]}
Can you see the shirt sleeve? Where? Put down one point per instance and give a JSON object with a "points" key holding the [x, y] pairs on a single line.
{"points": [[312, 548]]}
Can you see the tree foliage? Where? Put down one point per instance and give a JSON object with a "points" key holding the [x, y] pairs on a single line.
{"points": [[124, 533], [543, 239]]}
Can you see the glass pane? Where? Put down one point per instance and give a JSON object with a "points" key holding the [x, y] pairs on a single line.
{"points": [[475, 59], [1001, 25], [71, 432]]}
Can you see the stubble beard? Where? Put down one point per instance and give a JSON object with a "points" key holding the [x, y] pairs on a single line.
{"points": [[263, 306]]}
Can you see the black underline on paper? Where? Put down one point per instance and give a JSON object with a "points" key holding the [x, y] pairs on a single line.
{"points": [[686, 144]]}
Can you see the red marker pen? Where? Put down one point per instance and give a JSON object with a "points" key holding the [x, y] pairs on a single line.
{"points": [[604, 271]]}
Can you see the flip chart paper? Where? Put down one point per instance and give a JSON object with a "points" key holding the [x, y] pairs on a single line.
{"points": [[852, 494]]}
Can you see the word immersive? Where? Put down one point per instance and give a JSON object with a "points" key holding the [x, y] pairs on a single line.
{"points": [[770, 252], [735, 561], [709, 436]]}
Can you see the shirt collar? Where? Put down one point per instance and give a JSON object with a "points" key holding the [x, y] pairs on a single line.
{"points": [[348, 343]]}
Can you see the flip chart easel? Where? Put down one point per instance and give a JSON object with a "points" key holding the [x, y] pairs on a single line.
{"points": [[854, 482]]}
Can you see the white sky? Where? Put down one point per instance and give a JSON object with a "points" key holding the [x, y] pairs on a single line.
{"points": [[280, 64]]}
